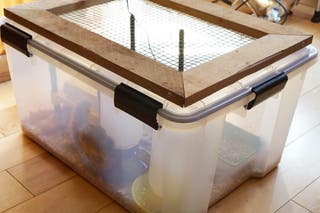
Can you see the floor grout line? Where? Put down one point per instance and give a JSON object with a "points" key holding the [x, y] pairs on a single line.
{"points": [[5, 136], [55, 185], [294, 141], [38, 194], [316, 179], [62, 182], [19, 164], [302, 135], [12, 133], [295, 195], [301, 206], [69, 178], [41, 153], [109, 204], [17, 205], [282, 206], [309, 90], [33, 195]]}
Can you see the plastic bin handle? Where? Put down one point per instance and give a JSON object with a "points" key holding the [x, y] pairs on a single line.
{"points": [[137, 104], [15, 38], [267, 89]]}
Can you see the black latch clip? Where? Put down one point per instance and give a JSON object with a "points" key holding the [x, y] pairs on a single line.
{"points": [[15, 38], [267, 89], [137, 104]]}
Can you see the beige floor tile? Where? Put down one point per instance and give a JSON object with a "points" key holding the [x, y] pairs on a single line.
{"points": [[312, 82], [303, 11], [41, 173], [316, 41], [299, 166], [3, 63], [312, 79], [113, 208], [9, 121], [7, 98], [317, 35], [305, 14], [306, 26], [292, 207], [307, 115], [4, 70], [75, 195], [16, 149], [11, 192], [292, 20], [310, 197]]}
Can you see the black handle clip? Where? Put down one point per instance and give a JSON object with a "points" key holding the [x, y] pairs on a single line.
{"points": [[267, 89], [16, 38]]}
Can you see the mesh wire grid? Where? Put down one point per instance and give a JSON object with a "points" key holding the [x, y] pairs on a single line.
{"points": [[156, 32]]}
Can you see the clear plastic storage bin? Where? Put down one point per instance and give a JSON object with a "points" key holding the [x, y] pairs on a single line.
{"points": [[182, 167], [199, 153]]}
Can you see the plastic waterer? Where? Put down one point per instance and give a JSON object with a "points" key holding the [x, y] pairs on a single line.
{"points": [[198, 154]]}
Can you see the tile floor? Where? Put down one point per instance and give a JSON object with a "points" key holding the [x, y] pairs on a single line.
{"points": [[31, 180]]}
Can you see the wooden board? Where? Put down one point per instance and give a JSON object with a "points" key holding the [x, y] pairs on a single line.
{"points": [[272, 43], [233, 66]]}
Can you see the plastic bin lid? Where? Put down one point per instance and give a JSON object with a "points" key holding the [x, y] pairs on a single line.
{"points": [[180, 50]]}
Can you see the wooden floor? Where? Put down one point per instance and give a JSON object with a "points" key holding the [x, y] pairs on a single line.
{"points": [[31, 180]]}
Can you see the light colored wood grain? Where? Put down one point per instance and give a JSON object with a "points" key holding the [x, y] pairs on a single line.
{"points": [[3, 63], [5, 76], [4, 70], [6, 95], [312, 4], [312, 78], [15, 149], [113, 208], [237, 64], [11, 192], [41, 173], [139, 69], [292, 207], [307, 26], [76, 6], [299, 166], [291, 20], [307, 115], [75, 195], [310, 197], [303, 11], [9, 121]]}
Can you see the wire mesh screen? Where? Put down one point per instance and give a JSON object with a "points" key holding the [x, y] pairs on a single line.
{"points": [[175, 39]]}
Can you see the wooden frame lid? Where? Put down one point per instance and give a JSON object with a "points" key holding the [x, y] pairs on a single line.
{"points": [[272, 43]]}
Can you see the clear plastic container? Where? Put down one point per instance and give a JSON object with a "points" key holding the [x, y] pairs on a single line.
{"points": [[182, 167]]}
